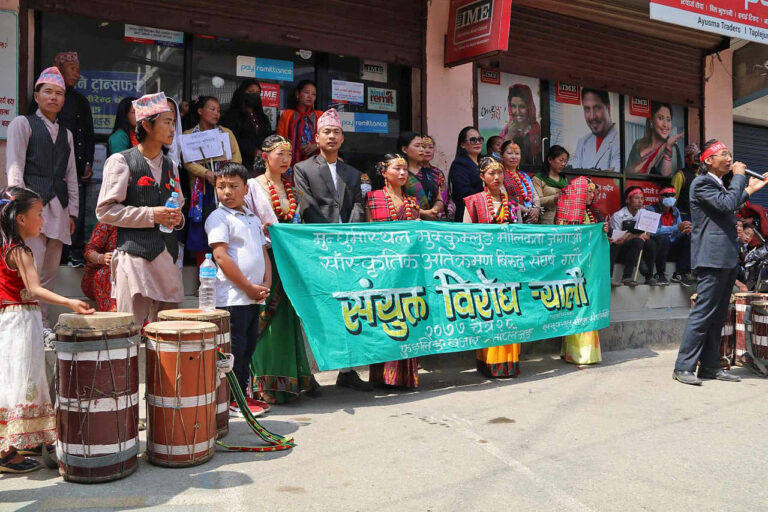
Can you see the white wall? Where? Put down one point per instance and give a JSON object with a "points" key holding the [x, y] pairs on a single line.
{"points": [[718, 98]]}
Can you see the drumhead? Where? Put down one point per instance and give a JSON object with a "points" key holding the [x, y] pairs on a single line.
{"points": [[98, 322], [180, 327], [192, 314]]}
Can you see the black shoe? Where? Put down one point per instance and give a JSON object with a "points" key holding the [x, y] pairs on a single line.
{"points": [[661, 279], [676, 278], [352, 380], [628, 281], [650, 280], [719, 374], [686, 377], [688, 279]]}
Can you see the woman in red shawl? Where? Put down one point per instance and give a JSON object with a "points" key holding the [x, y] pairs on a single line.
{"points": [[523, 128], [576, 206], [391, 204], [300, 126]]}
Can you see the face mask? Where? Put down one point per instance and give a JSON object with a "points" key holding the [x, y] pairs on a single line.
{"points": [[669, 202], [252, 100], [496, 155]]}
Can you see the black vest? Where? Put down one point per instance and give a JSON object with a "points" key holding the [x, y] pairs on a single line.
{"points": [[147, 243], [46, 165]]}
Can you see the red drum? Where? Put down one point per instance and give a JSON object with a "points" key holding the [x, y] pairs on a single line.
{"points": [[759, 333], [97, 392], [742, 301], [728, 338], [181, 392], [223, 340]]}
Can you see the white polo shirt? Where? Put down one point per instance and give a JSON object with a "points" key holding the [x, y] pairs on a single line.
{"points": [[243, 234]]}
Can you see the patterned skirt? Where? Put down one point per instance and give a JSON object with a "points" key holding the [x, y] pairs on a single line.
{"points": [[499, 362], [26, 412], [402, 374]]}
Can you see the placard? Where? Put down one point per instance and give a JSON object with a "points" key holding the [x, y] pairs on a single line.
{"points": [[745, 19], [270, 95], [647, 221], [104, 91], [9, 63], [382, 99], [374, 71], [151, 35], [264, 69], [352, 93], [208, 144]]}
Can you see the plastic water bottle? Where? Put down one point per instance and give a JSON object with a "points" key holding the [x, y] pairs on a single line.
{"points": [[207, 291], [172, 202]]}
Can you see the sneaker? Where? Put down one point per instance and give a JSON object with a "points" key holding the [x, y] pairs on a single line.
{"points": [[628, 281], [235, 412], [677, 278], [261, 404], [662, 279], [651, 280], [688, 279]]}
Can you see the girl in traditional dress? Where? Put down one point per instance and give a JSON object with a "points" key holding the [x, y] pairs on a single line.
{"points": [[27, 419], [492, 206], [279, 364], [576, 207], [390, 204], [517, 184], [427, 185]]}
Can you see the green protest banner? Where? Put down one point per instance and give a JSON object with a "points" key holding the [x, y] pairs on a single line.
{"points": [[369, 293]]}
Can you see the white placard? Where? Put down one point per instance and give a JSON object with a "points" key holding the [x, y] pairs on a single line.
{"points": [[201, 145], [347, 92], [648, 221], [374, 71], [618, 234], [224, 139], [9, 63]]}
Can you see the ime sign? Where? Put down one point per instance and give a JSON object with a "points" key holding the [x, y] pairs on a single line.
{"points": [[476, 29], [745, 19]]}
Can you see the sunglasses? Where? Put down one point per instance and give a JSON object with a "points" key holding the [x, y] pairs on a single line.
{"points": [[476, 140]]}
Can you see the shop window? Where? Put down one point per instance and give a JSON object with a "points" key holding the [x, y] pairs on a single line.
{"points": [[112, 64]]}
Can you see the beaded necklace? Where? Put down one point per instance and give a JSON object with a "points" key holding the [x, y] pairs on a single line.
{"points": [[501, 215], [276, 206], [393, 212], [521, 186]]}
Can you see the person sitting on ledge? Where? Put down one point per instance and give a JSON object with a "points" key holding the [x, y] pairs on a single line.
{"points": [[631, 246], [673, 237]]}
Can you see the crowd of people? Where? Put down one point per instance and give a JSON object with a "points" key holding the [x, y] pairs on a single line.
{"points": [[226, 205]]}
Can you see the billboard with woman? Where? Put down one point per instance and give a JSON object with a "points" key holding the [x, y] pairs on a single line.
{"points": [[654, 136]]}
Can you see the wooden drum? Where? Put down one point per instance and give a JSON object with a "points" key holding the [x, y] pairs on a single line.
{"points": [[181, 392], [97, 391], [759, 332], [220, 318], [727, 334], [742, 301]]}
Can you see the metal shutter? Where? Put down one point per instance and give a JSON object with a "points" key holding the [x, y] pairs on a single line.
{"points": [[751, 147]]}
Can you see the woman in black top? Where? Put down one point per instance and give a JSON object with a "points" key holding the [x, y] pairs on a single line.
{"points": [[464, 175], [247, 120]]}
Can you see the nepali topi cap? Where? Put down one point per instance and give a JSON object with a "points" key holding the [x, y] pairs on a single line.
{"points": [[51, 76], [63, 57], [329, 118], [150, 105]]}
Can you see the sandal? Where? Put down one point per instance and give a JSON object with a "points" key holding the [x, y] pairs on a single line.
{"points": [[37, 451], [25, 466]]}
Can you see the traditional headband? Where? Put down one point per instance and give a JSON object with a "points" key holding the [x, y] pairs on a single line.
{"points": [[634, 192], [711, 150], [396, 160], [667, 190], [493, 164], [427, 140], [283, 143], [591, 186]]}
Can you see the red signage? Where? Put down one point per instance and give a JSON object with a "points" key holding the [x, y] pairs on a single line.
{"points": [[608, 198], [640, 107], [490, 76], [568, 93], [270, 95], [745, 19], [477, 28], [650, 190]]}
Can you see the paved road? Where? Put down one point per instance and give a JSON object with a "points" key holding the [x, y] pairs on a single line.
{"points": [[618, 436]]}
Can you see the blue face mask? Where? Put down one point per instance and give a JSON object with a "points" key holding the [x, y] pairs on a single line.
{"points": [[669, 202]]}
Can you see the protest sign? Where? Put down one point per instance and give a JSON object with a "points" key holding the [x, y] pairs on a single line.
{"points": [[201, 145]]}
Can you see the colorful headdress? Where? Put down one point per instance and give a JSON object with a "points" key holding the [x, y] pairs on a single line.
{"points": [[283, 143], [63, 57], [492, 164], [150, 105], [51, 76], [591, 185], [384, 164], [329, 118], [711, 150], [426, 139]]}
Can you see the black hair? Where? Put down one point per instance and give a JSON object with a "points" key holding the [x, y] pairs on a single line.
{"points": [[200, 102], [703, 167], [15, 201], [507, 143], [38, 87], [460, 151], [232, 169], [259, 164], [386, 161], [141, 132], [121, 117], [404, 140], [655, 107], [554, 152], [237, 119], [603, 95], [299, 87], [489, 143]]}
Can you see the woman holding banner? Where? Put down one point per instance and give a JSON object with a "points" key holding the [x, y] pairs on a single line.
{"points": [[492, 206], [391, 204], [550, 183], [518, 185], [423, 183]]}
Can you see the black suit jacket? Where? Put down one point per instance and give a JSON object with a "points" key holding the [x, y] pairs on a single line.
{"points": [[321, 202]]}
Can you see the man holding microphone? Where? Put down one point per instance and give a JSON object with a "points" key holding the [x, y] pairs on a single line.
{"points": [[714, 255]]}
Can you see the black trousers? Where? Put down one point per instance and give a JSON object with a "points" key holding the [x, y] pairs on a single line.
{"points": [[628, 253], [244, 327], [680, 252], [78, 237], [701, 339]]}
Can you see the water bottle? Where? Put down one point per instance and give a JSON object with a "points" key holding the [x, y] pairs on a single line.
{"points": [[172, 202], [207, 291]]}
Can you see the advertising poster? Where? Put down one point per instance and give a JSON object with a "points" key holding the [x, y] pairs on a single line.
{"points": [[105, 90], [586, 123], [382, 99], [360, 122], [9, 60], [608, 197], [156, 36], [745, 19], [352, 93], [264, 69], [654, 135], [509, 106]]}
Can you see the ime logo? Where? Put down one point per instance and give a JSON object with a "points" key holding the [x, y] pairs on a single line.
{"points": [[476, 12], [764, 3]]}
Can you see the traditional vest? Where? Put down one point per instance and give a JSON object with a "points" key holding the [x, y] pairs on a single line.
{"points": [[46, 165], [147, 243]]}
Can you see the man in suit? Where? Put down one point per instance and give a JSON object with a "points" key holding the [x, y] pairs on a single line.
{"points": [[329, 193], [715, 256]]}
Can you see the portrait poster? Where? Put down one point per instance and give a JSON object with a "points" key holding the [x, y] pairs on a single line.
{"points": [[509, 106], [654, 136], [587, 127]]}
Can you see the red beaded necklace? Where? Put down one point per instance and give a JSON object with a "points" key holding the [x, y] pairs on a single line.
{"points": [[591, 216], [521, 186], [409, 206], [276, 206], [502, 214]]}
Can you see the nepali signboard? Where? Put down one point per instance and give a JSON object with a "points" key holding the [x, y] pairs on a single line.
{"points": [[745, 19], [387, 291], [476, 29]]}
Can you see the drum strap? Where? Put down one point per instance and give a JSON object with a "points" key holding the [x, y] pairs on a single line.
{"points": [[99, 461], [97, 345]]}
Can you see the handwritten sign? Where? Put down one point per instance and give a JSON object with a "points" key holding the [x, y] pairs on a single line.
{"points": [[347, 92], [647, 221], [203, 145], [9, 63]]}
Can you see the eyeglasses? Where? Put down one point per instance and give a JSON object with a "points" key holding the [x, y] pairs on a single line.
{"points": [[476, 140], [725, 154]]}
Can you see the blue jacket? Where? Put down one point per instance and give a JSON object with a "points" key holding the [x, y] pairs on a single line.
{"points": [[671, 231], [714, 242]]}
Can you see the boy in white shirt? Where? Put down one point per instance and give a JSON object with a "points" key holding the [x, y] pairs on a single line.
{"points": [[244, 276]]}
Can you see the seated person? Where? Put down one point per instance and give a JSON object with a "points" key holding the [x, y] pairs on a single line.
{"points": [[627, 248], [746, 235], [755, 215], [672, 238]]}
